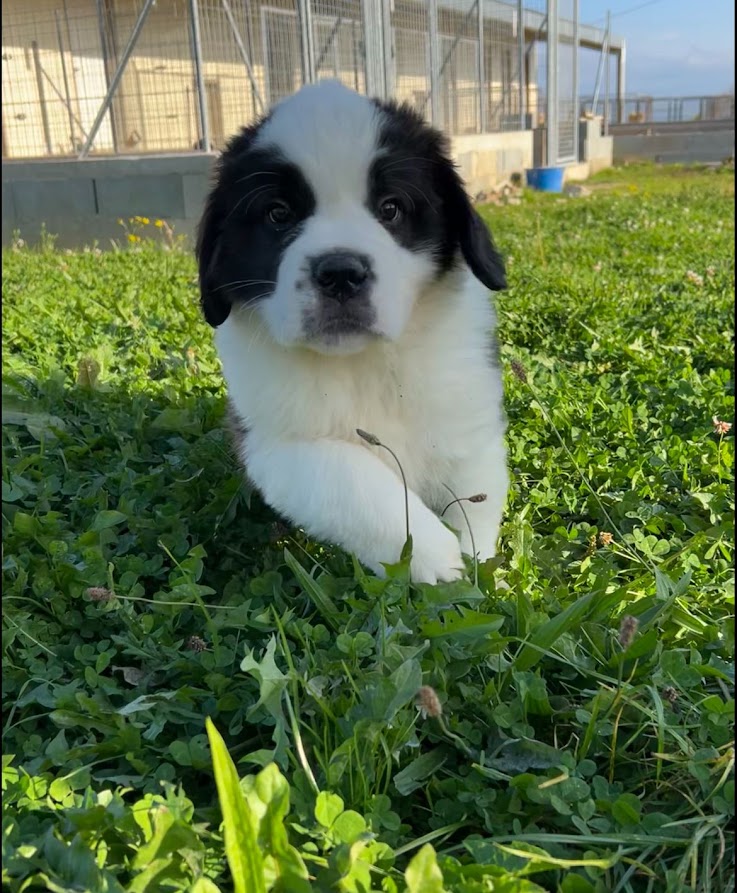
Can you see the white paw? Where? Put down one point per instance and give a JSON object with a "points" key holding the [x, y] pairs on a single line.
{"points": [[436, 554]]}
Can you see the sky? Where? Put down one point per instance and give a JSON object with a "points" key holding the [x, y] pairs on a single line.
{"points": [[673, 47]]}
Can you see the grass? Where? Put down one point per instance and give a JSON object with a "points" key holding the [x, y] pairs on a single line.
{"points": [[574, 730]]}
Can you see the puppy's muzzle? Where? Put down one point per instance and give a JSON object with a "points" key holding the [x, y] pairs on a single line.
{"points": [[341, 275]]}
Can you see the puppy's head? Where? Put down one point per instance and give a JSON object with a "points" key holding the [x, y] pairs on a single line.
{"points": [[329, 218]]}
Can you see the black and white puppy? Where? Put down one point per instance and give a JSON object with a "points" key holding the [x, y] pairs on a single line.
{"points": [[347, 276]]}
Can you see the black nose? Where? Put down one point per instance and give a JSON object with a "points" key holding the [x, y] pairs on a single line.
{"points": [[341, 274]]}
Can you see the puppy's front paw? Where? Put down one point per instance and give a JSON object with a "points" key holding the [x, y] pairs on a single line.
{"points": [[436, 554]]}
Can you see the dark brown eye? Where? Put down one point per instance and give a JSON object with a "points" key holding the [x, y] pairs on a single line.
{"points": [[279, 214], [389, 211]]}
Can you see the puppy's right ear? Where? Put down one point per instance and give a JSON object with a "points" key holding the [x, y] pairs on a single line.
{"points": [[214, 302]]}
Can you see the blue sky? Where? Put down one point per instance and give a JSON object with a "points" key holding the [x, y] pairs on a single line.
{"points": [[674, 47]]}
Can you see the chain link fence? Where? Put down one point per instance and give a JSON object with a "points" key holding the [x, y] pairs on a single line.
{"points": [[121, 77]]}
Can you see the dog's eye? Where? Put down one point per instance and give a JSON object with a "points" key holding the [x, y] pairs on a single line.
{"points": [[279, 214], [390, 211]]}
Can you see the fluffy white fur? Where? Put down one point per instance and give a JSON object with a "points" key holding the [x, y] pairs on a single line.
{"points": [[421, 381]]}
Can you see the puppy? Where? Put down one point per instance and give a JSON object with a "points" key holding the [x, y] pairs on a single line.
{"points": [[347, 277]]}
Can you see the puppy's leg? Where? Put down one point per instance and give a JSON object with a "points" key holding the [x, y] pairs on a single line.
{"points": [[487, 473], [340, 493]]}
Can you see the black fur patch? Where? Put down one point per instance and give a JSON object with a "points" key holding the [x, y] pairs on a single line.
{"points": [[414, 168], [248, 183]]}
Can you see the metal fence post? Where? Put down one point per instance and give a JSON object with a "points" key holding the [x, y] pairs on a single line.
{"points": [[551, 113], [387, 33], [607, 60], [483, 123], [127, 52], [62, 59], [308, 49], [199, 77], [574, 88], [105, 50], [621, 95], [373, 53], [42, 97], [432, 15], [521, 64]]}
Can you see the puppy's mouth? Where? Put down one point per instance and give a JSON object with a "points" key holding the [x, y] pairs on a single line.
{"points": [[330, 326]]}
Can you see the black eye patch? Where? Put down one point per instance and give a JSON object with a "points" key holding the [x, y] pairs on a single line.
{"points": [[263, 180], [258, 207], [408, 182]]}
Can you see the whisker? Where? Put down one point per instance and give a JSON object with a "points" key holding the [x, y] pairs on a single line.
{"points": [[254, 193], [257, 174], [244, 282]]}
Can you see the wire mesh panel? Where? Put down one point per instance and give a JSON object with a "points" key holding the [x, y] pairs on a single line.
{"points": [[339, 42], [154, 108], [53, 79], [458, 70], [567, 81], [282, 57], [184, 75], [411, 54], [233, 70], [504, 66]]}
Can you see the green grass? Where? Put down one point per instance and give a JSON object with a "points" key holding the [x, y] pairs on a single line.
{"points": [[145, 589]]}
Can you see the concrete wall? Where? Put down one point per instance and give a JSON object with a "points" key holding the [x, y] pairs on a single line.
{"points": [[594, 149], [675, 148], [487, 159], [83, 201]]}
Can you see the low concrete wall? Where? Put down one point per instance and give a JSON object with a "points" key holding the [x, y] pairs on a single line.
{"points": [[676, 147], [487, 159], [595, 150], [82, 201]]}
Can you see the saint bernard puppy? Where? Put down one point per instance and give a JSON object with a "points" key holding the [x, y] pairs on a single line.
{"points": [[347, 277]]}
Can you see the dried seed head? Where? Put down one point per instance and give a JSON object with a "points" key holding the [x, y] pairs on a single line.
{"points": [[88, 371], [627, 630], [670, 694], [99, 594], [195, 643], [590, 546], [478, 497], [693, 277], [428, 702], [519, 371], [721, 427], [369, 438], [605, 538]]}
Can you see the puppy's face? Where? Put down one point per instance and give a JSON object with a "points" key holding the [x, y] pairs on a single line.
{"points": [[331, 216]]}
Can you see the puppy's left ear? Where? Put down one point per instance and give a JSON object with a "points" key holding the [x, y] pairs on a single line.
{"points": [[215, 304], [480, 252], [474, 238]]}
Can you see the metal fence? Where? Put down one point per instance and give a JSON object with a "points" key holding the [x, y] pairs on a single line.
{"points": [[159, 76], [665, 109]]}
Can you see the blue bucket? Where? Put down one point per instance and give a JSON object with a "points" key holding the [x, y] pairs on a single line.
{"points": [[545, 179]]}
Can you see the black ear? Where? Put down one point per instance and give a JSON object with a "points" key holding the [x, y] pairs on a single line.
{"points": [[480, 252], [473, 235], [214, 302]]}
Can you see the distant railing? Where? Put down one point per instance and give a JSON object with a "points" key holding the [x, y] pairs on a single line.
{"points": [[663, 109]]}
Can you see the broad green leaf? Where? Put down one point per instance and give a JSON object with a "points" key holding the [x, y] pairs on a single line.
{"points": [[327, 808], [240, 825], [108, 518], [413, 775], [423, 874]]}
